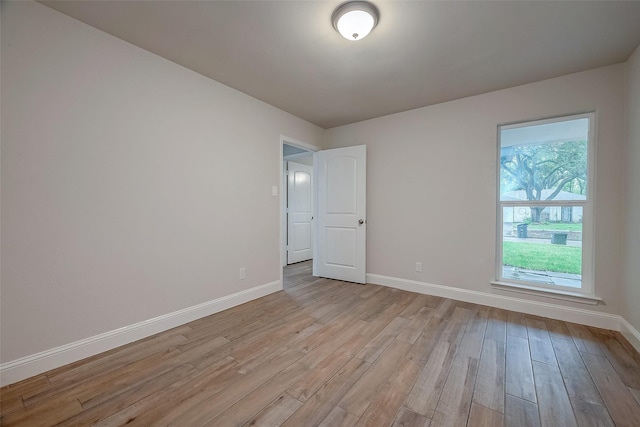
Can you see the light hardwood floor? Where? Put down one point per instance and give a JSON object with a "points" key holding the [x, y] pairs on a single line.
{"points": [[329, 353]]}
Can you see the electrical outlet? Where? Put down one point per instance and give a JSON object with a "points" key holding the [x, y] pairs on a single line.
{"points": [[418, 267], [243, 273]]}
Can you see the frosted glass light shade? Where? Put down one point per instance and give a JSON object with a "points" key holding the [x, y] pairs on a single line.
{"points": [[354, 20]]}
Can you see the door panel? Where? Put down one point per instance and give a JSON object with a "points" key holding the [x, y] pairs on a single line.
{"points": [[342, 231], [341, 185], [300, 212], [341, 246], [301, 236]]}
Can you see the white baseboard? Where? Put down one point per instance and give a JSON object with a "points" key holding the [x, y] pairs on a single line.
{"points": [[630, 333], [554, 311], [35, 364]]}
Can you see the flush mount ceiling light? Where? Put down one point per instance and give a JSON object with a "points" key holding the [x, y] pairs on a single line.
{"points": [[355, 19]]}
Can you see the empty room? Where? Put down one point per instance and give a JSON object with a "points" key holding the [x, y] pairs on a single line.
{"points": [[319, 213]]}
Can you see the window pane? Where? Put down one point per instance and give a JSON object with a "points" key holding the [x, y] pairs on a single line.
{"points": [[548, 251], [545, 161]]}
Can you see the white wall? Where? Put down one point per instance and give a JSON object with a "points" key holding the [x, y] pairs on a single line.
{"points": [[631, 288], [131, 186], [431, 184]]}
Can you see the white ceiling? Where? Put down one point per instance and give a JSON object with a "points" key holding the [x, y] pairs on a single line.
{"points": [[286, 53]]}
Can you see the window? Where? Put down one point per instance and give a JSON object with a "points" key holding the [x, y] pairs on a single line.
{"points": [[544, 204]]}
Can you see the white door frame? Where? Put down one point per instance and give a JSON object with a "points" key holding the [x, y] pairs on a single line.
{"points": [[282, 185]]}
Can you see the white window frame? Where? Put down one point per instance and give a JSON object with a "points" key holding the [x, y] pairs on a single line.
{"points": [[563, 292]]}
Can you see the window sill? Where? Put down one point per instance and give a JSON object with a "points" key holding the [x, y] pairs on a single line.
{"points": [[549, 293]]}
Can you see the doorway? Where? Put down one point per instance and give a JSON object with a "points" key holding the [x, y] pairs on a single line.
{"points": [[297, 190], [337, 204]]}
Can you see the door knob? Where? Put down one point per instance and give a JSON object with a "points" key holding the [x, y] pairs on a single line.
{"points": [[360, 221]]}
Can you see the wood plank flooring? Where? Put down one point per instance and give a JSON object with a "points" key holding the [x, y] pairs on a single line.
{"points": [[329, 353]]}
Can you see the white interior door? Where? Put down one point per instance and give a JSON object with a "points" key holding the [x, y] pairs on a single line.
{"points": [[341, 180], [299, 212]]}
